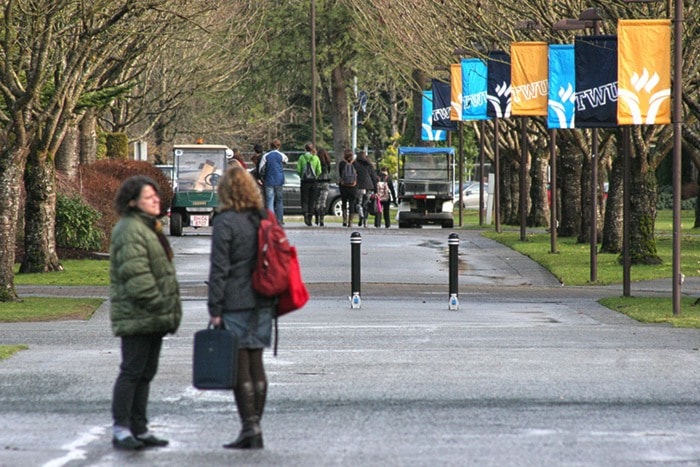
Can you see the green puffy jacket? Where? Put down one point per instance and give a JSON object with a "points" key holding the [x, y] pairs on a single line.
{"points": [[144, 294]]}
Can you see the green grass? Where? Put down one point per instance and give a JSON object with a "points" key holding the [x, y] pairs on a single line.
{"points": [[656, 310], [6, 351], [76, 272], [48, 309], [571, 265]]}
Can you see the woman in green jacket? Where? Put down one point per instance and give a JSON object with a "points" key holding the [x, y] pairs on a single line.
{"points": [[145, 305]]}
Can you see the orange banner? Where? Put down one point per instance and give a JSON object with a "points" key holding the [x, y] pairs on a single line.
{"points": [[644, 72], [529, 77], [456, 94]]}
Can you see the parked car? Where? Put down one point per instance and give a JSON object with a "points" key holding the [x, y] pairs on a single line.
{"points": [[470, 195], [292, 195]]}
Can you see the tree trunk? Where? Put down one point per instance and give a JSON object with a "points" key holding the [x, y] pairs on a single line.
{"points": [[510, 188], [420, 79], [68, 154], [539, 209], [40, 215], [340, 115], [570, 164], [612, 227], [642, 212], [11, 169], [88, 138]]}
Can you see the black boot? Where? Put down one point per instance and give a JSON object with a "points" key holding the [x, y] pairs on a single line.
{"points": [[250, 436], [307, 219]]}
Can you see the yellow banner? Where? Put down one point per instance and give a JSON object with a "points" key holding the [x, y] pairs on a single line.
{"points": [[529, 76], [456, 91], [644, 72]]}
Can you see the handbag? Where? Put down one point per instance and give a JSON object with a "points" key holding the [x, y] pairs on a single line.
{"points": [[296, 294], [215, 358]]}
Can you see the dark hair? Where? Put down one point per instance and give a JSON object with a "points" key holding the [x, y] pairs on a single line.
{"points": [[309, 147], [258, 148], [323, 155], [130, 190], [348, 155]]}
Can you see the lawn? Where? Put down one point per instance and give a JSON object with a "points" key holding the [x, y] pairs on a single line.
{"points": [[571, 265]]}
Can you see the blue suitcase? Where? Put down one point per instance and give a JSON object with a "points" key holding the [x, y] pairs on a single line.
{"points": [[215, 359]]}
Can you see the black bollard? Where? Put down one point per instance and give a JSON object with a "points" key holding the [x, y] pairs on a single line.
{"points": [[453, 243], [355, 252]]}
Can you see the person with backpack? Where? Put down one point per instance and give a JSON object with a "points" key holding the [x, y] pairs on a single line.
{"points": [[322, 186], [366, 185], [272, 173], [233, 302], [347, 181], [308, 168], [387, 195]]}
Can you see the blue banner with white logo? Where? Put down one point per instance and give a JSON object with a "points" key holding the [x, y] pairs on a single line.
{"points": [[498, 85], [442, 103], [474, 83], [596, 81], [561, 106], [427, 132]]}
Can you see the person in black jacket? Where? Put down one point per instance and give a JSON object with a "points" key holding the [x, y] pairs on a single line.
{"points": [[322, 186], [233, 302], [366, 185]]}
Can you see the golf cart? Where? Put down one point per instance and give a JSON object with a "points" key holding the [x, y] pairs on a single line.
{"points": [[197, 169], [425, 187]]}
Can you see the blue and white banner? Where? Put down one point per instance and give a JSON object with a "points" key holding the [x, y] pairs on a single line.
{"points": [[561, 107], [498, 85], [427, 132], [442, 103], [474, 86], [596, 81]]}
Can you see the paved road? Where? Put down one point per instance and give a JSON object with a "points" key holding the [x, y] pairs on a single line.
{"points": [[527, 372]]}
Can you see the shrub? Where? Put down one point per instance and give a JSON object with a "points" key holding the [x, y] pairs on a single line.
{"points": [[117, 145], [98, 184], [76, 224], [665, 199]]}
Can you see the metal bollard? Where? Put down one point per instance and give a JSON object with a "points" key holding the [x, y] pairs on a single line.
{"points": [[453, 243], [355, 250]]}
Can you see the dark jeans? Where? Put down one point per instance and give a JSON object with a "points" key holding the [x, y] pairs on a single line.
{"points": [[140, 356], [348, 196], [308, 197], [386, 208]]}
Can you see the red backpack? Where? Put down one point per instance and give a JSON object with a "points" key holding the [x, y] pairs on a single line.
{"points": [[271, 274]]}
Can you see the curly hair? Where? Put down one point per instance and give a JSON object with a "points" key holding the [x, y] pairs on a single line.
{"points": [[238, 190], [130, 190]]}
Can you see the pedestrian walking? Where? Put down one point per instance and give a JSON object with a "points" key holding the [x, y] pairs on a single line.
{"points": [[366, 185], [233, 303], [347, 181], [308, 168], [387, 195], [272, 171], [145, 306], [322, 186]]}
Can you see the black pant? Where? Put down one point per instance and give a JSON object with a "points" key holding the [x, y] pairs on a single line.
{"points": [[140, 356], [386, 207], [308, 197], [348, 196]]}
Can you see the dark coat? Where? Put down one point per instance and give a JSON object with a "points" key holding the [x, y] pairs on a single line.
{"points": [[144, 293], [234, 245], [366, 176]]}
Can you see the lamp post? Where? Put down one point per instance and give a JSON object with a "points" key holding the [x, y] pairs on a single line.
{"points": [[588, 19], [677, 95]]}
